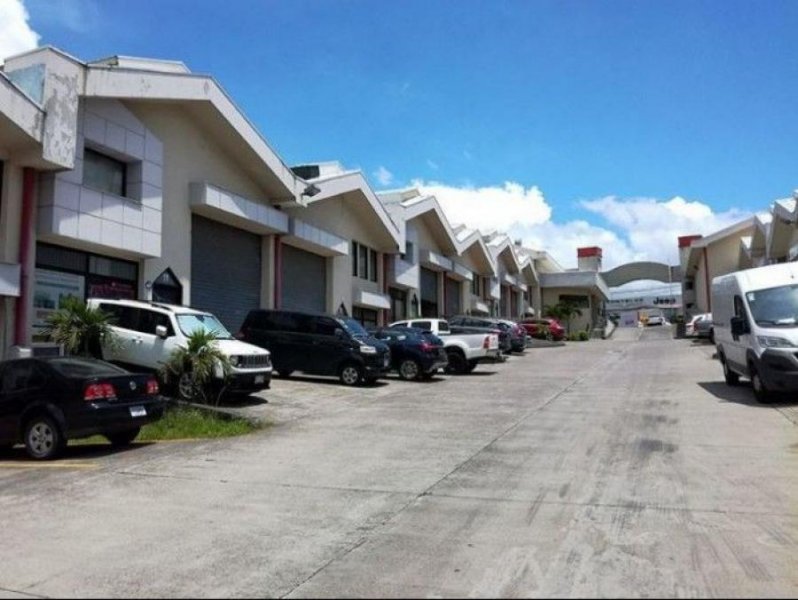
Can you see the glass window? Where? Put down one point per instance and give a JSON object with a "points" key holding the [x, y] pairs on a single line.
{"points": [[60, 258], [366, 316], [150, 319], [284, 321], [363, 262], [79, 368], [22, 375], [126, 317], [774, 307], [373, 265], [189, 323], [104, 173], [353, 325], [101, 265], [426, 325], [408, 254], [354, 259], [326, 326]]}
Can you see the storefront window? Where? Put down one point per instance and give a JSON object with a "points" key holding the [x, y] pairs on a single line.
{"points": [[63, 272], [366, 316]]}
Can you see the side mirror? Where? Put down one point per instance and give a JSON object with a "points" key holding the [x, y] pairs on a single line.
{"points": [[161, 331], [339, 333], [739, 326]]}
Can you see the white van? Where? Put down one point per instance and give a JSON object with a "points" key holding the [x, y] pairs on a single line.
{"points": [[755, 316], [147, 334]]}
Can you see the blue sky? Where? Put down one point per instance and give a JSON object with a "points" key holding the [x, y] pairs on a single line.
{"points": [[601, 112]]}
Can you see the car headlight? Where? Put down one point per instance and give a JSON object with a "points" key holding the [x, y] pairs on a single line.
{"points": [[768, 341], [235, 360], [368, 350]]}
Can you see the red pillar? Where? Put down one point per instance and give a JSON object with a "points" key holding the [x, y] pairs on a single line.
{"points": [[25, 241]]}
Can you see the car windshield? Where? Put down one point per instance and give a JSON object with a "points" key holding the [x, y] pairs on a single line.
{"points": [[354, 327], [189, 323], [78, 368], [775, 307]]}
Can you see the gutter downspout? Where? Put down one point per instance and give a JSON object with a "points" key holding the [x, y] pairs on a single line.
{"points": [[278, 271], [25, 237], [706, 280]]}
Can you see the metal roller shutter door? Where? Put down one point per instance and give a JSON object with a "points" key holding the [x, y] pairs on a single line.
{"points": [[304, 280], [225, 271], [452, 297]]}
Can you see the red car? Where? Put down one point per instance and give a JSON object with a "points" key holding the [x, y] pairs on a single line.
{"points": [[537, 328]]}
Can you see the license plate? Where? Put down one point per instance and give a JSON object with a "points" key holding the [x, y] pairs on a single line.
{"points": [[260, 378], [138, 411]]}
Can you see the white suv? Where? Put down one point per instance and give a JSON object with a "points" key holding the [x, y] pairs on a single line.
{"points": [[147, 334]]}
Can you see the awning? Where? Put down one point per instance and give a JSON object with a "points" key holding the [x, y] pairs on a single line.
{"points": [[371, 300]]}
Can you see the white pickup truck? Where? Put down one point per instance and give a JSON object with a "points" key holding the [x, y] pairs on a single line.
{"points": [[465, 350]]}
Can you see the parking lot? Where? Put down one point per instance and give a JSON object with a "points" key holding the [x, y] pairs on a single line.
{"points": [[614, 468]]}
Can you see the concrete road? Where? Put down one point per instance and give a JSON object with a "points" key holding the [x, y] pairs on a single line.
{"points": [[607, 468]]}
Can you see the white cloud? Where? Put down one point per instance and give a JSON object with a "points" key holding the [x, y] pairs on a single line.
{"points": [[628, 229], [16, 34], [384, 176], [651, 226], [491, 207]]}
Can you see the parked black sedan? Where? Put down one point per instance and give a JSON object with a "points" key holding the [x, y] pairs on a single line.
{"points": [[414, 354], [46, 401]]}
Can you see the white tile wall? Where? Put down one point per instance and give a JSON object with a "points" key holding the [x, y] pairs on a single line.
{"points": [[115, 137], [67, 195], [69, 209], [113, 208], [91, 201], [132, 215], [67, 221], [90, 228]]}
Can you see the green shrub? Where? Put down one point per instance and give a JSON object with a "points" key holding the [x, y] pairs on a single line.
{"points": [[584, 336]]}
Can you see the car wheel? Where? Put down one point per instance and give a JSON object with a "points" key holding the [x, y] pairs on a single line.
{"points": [[43, 438], [186, 387], [123, 438], [730, 376], [409, 369], [472, 364], [351, 374], [285, 373], [457, 363], [761, 393]]}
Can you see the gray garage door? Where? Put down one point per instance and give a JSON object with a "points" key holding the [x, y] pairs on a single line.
{"points": [[225, 271], [452, 297], [304, 280]]}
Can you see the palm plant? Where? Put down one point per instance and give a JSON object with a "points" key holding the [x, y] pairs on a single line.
{"points": [[564, 311], [193, 366], [81, 329]]}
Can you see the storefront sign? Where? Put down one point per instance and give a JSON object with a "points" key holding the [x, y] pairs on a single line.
{"points": [[112, 289]]}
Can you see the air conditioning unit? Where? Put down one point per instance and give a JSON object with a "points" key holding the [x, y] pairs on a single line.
{"points": [[36, 349]]}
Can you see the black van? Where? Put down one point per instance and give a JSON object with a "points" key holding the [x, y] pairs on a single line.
{"points": [[317, 344]]}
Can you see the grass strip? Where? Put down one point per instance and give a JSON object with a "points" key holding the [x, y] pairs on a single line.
{"points": [[179, 423]]}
